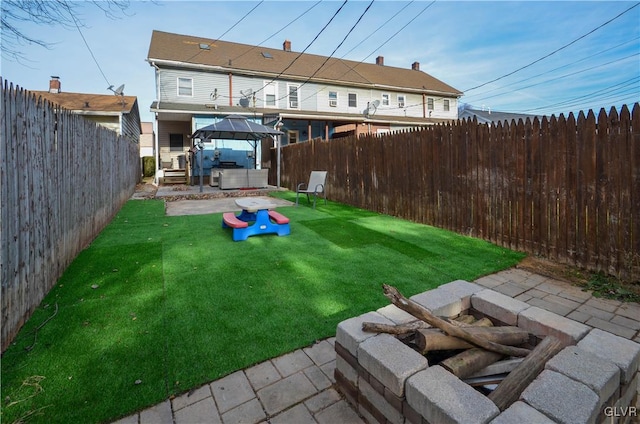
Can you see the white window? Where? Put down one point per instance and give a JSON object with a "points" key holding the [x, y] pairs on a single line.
{"points": [[446, 105], [185, 87], [430, 103], [385, 99], [293, 97], [270, 90], [401, 101], [353, 100], [333, 98], [293, 136]]}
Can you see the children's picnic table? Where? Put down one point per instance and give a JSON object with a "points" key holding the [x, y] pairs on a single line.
{"points": [[255, 218]]}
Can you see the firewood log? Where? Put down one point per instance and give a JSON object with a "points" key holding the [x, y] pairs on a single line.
{"points": [[376, 327], [465, 322], [510, 389], [424, 314], [471, 360], [433, 339]]}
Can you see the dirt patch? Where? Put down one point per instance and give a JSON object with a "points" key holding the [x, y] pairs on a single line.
{"points": [[145, 190], [555, 270]]}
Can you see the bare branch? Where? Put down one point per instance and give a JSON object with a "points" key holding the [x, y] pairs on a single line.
{"points": [[61, 13]]}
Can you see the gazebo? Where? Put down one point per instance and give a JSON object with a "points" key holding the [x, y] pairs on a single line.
{"points": [[235, 127]]}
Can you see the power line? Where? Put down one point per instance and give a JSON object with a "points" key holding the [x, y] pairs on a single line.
{"points": [[553, 52], [224, 33], [75, 22], [400, 30], [352, 68], [592, 95], [277, 32], [305, 49], [334, 50], [563, 76], [548, 72]]}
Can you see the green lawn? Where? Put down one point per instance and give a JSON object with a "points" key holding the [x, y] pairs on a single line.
{"points": [[159, 305]]}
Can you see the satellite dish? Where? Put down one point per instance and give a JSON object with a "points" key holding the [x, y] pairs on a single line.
{"points": [[246, 95], [372, 107], [118, 91]]}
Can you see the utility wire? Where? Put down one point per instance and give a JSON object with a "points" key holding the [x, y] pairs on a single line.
{"points": [[352, 68], [75, 22], [553, 52], [377, 29], [305, 49], [606, 90], [278, 32], [240, 20], [227, 31], [550, 71], [334, 50], [564, 76], [400, 30]]}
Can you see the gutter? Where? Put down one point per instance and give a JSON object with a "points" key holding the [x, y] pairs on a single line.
{"points": [[156, 143]]}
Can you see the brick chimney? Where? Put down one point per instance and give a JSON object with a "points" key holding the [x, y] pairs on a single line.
{"points": [[54, 84], [286, 46], [380, 60], [415, 66]]}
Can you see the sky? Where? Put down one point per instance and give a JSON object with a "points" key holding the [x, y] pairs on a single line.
{"points": [[531, 57]]}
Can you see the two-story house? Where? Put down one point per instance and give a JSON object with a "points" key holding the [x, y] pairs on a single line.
{"points": [[200, 80]]}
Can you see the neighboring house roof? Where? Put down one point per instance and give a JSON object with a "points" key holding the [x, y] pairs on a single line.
{"points": [[262, 61], [100, 104], [485, 116]]}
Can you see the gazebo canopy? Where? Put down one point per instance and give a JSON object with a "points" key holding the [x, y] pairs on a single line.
{"points": [[235, 128]]}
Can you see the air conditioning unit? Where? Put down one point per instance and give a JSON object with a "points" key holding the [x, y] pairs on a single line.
{"points": [[333, 103], [293, 104]]}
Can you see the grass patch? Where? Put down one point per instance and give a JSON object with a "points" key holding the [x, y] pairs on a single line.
{"points": [[159, 305]]}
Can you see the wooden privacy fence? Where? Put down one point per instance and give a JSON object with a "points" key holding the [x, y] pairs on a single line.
{"points": [[63, 178], [563, 188]]}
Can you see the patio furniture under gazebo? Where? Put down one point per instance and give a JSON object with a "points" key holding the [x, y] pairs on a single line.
{"points": [[235, 127]]}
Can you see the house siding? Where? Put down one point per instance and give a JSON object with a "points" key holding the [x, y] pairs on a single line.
{"points": [[131, 128], [312, 97]]}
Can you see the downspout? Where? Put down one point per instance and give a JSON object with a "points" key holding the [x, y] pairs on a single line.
{"points": [[156, 143], [278, 139], [424, 105], [230, 89]]}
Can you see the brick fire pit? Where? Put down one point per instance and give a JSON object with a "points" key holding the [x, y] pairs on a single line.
{"points": [[594, 379]]}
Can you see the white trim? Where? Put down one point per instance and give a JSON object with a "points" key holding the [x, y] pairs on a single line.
{"points": [[293, 104]]}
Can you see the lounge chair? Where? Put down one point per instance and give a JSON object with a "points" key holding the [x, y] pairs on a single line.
{"points": [[315, 186]]}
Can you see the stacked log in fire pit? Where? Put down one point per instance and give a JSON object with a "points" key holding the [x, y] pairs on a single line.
{"points": [[465, 354], [466, 346]]}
